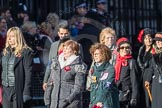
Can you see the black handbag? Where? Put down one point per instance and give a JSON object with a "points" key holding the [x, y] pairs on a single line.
{"points": [[124, 96], [160, 74]]}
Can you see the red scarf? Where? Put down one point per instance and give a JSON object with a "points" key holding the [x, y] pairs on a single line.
{"points": [[120, 61]]}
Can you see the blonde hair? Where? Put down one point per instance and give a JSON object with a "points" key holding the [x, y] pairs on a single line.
{"points": [[106, 31], [20, 41]]}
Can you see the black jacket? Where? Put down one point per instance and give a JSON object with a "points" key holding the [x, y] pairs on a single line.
{"points": [[128, 79], [23, 75]]}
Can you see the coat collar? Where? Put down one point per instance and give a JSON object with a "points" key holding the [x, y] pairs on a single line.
{"points": [[103, 66], [69, 61]]}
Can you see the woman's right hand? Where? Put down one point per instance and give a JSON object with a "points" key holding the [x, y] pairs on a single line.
{"points": [[147, 84], [44, 86]]}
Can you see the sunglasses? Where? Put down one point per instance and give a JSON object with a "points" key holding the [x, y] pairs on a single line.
{"points": [[124, 47]]}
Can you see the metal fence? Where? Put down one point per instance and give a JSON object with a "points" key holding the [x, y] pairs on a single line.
{"points": [[129, 16]]}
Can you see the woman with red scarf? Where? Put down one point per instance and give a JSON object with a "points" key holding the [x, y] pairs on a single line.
{"points": [[126, 74]]}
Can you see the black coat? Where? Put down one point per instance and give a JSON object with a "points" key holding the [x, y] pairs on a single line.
{"points": [[128, 79], [156, 86], [144, 61], [23, 75]]}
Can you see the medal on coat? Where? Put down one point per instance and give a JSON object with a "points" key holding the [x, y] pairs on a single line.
{"points": [[104, 76], [94, 79]]}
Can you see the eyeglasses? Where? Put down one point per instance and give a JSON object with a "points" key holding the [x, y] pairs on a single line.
{"points": [[125, 47], [3, 22]]}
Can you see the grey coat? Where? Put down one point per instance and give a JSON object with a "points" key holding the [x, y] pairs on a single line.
{"points": [[68, 82], [54, 53]]}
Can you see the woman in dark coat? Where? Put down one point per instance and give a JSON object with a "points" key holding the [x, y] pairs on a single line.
{"points": [[68, 77], [16, 61], [103, 91], [144, 58], [126, 74], [157, 72]]}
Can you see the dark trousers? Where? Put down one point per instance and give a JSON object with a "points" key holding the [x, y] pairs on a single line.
{"points": [[9, 97]]}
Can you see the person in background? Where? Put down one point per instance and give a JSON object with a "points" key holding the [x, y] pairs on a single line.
{"points": [[5, 13], [31, 37], [45, 37], [62, 29], [144, 58], [16, 61], [157, 72], [126, 74], [103, 87], [81, 9], [99, 14], [108, 38], [3, 31], [22, 15], [53, 19], [76, 22], [63, 32]]}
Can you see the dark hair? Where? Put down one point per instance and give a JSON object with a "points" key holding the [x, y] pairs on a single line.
{"points": [[147, 31]]}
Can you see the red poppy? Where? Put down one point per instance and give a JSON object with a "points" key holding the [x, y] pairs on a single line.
{"points": [[18, 55], [67, 68], [153, 51], [60, 52], [91, 70]]}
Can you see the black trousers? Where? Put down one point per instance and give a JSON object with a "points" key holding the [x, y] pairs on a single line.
{"points": [[9, 98]]}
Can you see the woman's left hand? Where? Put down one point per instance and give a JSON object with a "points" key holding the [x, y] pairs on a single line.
{"points": [[99, 104]]}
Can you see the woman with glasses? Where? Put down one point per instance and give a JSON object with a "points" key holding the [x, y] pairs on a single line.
{"points": [[103, 90], [126, 74]]}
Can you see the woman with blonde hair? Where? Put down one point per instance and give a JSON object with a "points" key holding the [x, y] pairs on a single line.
{"points": [[16, 61], [108, 38]]}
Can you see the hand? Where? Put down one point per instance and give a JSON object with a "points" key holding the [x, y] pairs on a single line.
{"points": [[65, 104], [133, 102], [147, 84], [99, 104], [26, 98], [44, 86]]}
